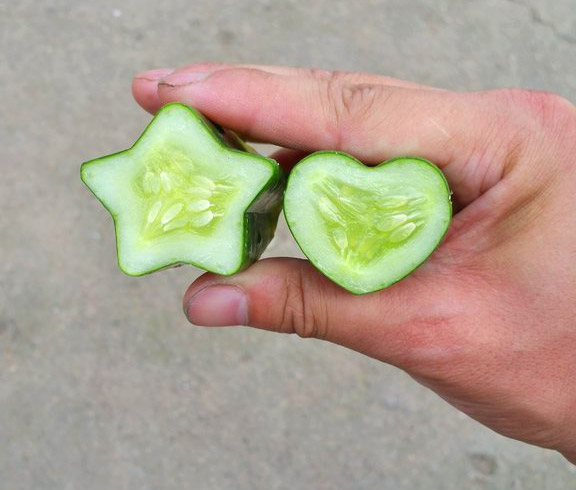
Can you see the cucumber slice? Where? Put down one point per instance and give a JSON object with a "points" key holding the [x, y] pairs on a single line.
{"points": [[188, 192], [366, 227]]}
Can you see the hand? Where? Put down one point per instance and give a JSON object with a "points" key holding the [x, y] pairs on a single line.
{"points": [[489, 321]]}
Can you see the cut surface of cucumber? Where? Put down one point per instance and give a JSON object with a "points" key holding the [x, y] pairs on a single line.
{"points": [[187, 192], [366, 227]]}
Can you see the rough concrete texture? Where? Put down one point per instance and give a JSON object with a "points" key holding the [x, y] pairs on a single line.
{"points": [[103, 384]]}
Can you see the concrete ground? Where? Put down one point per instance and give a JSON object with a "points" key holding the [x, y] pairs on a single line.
{"points": [[103, 384]]}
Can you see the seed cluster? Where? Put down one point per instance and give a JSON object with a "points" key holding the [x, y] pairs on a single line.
{"points": [[362, 225], [180, 198]]}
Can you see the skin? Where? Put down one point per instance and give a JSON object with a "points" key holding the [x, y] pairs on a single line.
{"points": [[488, 321]]}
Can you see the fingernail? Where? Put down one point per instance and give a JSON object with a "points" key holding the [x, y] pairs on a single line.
{"points": [[217, 306], [154, 75], [184, 78]]}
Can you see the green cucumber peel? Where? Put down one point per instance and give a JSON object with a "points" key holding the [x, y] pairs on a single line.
{"points": [[366, 228], [188, 192]]}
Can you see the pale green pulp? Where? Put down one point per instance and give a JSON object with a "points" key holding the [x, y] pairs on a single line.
{"points": [[364, 225], [181, 195]]}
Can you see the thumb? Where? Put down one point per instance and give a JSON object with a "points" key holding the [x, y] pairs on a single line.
{"points": [[290, 296]]}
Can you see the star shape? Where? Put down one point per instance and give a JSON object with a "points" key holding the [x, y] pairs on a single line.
{"points": [[180, 194]]}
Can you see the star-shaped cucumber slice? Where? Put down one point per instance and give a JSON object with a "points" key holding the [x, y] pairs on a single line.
{"points": [[187, 192]]}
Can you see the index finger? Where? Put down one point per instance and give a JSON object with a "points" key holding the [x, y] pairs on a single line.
{"points": [[372, 121], [145, 84]]}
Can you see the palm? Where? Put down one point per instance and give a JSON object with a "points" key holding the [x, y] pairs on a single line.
{"points": [[506, 269]]}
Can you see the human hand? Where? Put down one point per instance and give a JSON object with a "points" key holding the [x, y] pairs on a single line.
{"points": [[488, 322]]}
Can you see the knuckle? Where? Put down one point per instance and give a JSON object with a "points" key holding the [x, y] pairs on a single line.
{"points": [[357, 101], [301, 313], [352, 107], [526, 126], [547, 110]]}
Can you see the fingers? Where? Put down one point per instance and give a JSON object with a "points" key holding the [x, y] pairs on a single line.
{"points": [[145, 85], [290, 296], [371, 121], [470, 136]]}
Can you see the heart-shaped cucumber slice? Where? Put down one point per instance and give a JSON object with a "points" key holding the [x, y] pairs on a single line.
{"points": [[366, 227]]}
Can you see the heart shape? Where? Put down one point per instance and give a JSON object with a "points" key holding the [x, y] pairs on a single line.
{"points": [[366, 227]]}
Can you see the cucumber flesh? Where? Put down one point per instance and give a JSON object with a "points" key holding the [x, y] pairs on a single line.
{"points": [[366, 227], [187, 193]]}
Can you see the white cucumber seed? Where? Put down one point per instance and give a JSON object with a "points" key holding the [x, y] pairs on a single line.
{"points": [[402, 233], [175, 224], [394, 201], [150, 183], [204, 218], [197, 206], [205, 182], [166, 182], [328, 210], [390, 222], [154, 210], [340, 238], [171, 212], [200, 192]]}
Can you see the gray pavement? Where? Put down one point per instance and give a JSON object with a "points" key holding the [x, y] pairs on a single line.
{"points": [[103, 385]]}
